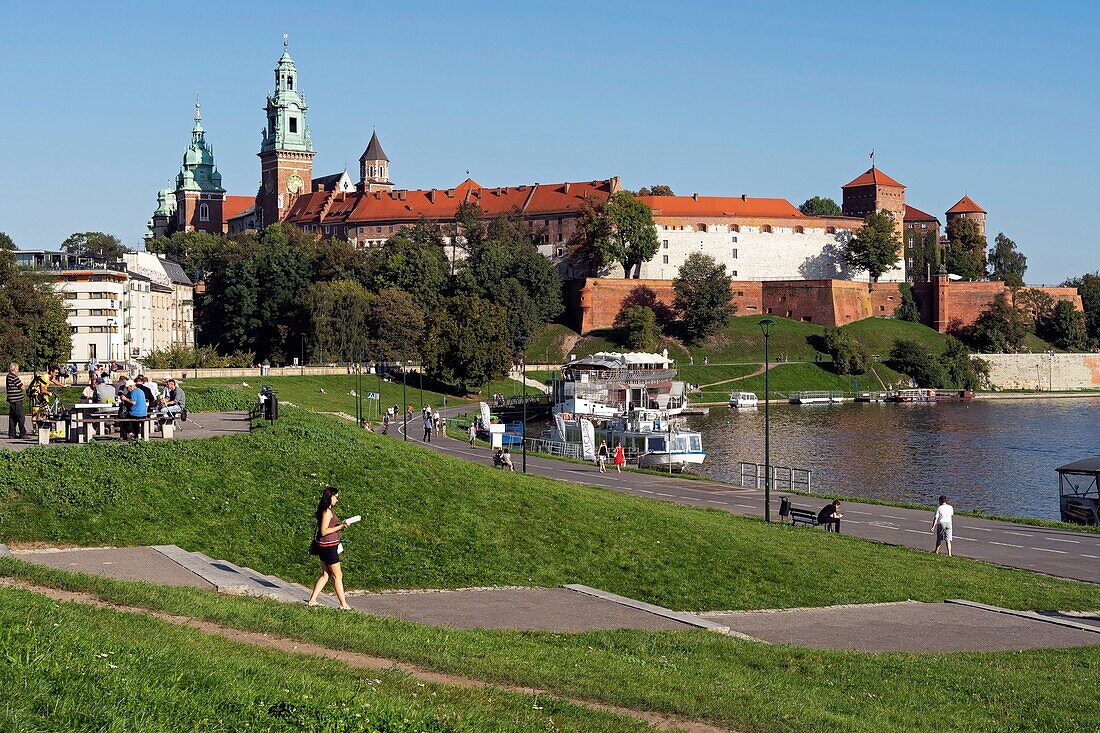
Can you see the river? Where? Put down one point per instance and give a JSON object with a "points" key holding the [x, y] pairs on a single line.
{"points": [[995, 456]]}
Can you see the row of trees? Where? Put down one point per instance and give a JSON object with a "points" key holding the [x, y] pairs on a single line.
{"points": [[34, 329]]}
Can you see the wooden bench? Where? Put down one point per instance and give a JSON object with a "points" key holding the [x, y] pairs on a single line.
{"points": [[803, 516]]}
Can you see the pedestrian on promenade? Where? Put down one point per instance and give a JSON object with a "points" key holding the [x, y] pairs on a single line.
{"points": [[428, 428], [706, 361], [327, 546], [941, 525], [830, 516], [620, 457], [472, 432], [17, 425], [601, 456]]}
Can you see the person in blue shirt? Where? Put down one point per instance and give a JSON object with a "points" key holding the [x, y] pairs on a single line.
{"points": [[135, 405]]}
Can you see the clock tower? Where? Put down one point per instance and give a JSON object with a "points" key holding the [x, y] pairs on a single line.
{"points": [[286, 149]]}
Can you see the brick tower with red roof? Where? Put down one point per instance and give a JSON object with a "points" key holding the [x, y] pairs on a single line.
{"points": [[967, 208], [286, 150]]}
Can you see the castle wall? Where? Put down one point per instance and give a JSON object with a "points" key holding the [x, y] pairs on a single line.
{"points": [[1043, 371]]}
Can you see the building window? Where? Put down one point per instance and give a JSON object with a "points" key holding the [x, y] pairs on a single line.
{"points": [[271, 125], [766, 229], [799, 230], [294, 124], [924, 225], [204, 212], [733, 254], [733, 273], [830, 230], [910, 261], [290, 82], [734, 238], [740, 293], [910, 243], [665, 259], [735, 228], [560, 236], [664, 243], [561, 251]]}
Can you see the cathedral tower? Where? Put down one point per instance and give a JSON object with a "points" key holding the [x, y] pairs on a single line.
{"points": [[286, 149], [374, 167], [199, 193]]}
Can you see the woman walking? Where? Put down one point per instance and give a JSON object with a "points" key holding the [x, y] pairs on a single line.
{"points": [[620, 457], [327, 544], [601, 456]]}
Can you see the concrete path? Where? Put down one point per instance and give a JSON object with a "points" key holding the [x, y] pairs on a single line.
{"points": [[1058, 552], [907, 627], [198, 425]]}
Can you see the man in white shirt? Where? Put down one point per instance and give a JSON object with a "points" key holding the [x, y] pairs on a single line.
{"points": [[941, 525]]}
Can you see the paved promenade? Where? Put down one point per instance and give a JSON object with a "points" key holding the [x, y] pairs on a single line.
{"points": [[1058, 552]]}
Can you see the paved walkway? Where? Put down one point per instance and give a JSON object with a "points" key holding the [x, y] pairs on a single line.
{"points": [[198, 425], [1058, 552], [921, 627]]}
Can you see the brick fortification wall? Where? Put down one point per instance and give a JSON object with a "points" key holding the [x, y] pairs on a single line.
{"points": [[595, 303]]}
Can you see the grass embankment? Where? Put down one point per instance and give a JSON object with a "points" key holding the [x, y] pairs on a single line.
{"points": [[438, 522], [696, 674], [76, 668]]}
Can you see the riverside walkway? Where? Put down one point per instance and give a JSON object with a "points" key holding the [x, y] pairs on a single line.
{"points": [[1058, 552]]}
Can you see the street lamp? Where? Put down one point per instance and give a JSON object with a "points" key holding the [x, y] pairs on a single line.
{"points": [[196, 330], [766, 327], [110, 330], [405, 396], [523, 378], [1050, 371]]}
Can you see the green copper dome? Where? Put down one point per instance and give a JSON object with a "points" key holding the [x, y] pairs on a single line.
{"points": [[286, 110], [198, 172]]}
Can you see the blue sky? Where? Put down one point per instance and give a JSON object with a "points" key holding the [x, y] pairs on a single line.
{"points": [[997, 100]]}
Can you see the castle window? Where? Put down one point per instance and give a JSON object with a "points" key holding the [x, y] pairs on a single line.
{"points": [[924, 225], [766, 229], [910, 243], [830, 230], [910, 261], [270, 125], [665, 259], [294, 124], [735, 228], [733, 255], [664, 243], [733, 273], [561, 251], [204, 212], [799, 230], [290, 82]]}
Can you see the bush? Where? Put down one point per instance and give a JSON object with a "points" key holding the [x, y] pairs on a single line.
{"points": [[953, 368], [638, 328], [849, 355], [909, 310], [185, 357]]}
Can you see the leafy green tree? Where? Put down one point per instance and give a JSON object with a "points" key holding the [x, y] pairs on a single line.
{"points": [[465, 342], [6, 242], [658, 190], [34, 328], [620, 230], [961, 369], [638, 328], [194, 251], [965, 252], [849, 355], [908, 310], [99, 245], [911, 357], [702, 296], [820, 206], [1037, 305], [1006, 262], [396, 325], [411, 260], [1088, 285], [875, 246], [1066, 328], [337, 259], [1000, 328], [338, 312]]}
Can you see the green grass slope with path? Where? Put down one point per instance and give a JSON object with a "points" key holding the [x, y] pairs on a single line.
{"points": [[432, 521], [73, 667]]}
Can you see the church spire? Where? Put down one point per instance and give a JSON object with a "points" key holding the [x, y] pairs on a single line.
{"points": [[374, 167]]}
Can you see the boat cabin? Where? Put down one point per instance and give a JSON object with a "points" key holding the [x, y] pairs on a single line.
{"points": [[1079, 491]]}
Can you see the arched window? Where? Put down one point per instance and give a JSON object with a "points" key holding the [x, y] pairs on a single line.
{"points": [[372, 171], [766, 229], [290, 82], [204, 212], [830, 230], [735, 228], [799, 230]]}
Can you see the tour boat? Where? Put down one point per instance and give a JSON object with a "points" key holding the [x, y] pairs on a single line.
{"points": [[743, 400]]}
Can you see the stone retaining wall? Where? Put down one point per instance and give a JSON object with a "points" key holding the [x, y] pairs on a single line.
{"points": [[1043, 371]]}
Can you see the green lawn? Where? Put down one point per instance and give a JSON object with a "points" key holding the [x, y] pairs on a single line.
{"points": [[697, 674], [437, 522], [71, 667]]}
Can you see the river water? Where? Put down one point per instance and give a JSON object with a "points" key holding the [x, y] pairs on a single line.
{"points": [[995, 456]]}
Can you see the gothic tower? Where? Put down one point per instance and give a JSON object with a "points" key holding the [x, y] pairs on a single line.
{"points": [[286, 150], [968, 208], [199, 193], [374, 167]]}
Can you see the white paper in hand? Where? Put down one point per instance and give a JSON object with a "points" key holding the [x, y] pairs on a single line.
{"points": [[352, 520]]}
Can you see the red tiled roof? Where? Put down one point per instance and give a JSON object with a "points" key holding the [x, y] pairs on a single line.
{"points": [[704, 206], [966, 205], [912, 213], [234, 206], [442, 204], [873, 177]]}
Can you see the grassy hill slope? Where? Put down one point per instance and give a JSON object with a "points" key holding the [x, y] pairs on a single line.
{"points": [[436, 522]]}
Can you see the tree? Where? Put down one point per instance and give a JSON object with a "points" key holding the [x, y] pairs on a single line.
{"points": [[99, 245], [965, 252], [638, 328], [620, 230], [337, 313], [702, 290], [34, 328], [411, 260], [1037, 305], [875, 246], [849, 355], [961, 369], [1000, 328], [1088, 285], [820, 206], [464, 342], [1066, 328], [194, 251], [1006, 263], [911, 357], [908, 310], [396, 326], [657, 190], [6, 242]]}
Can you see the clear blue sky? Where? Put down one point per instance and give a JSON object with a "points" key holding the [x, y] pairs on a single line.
{"points": [[997, 100]]}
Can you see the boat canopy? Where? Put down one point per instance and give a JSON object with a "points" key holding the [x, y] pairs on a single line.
{"points": [[1087, 467], [617, 360]]}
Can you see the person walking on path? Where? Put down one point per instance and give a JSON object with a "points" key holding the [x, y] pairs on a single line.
{"points": [[17, 425], [601, 456], [428, 428], [620, 457], [941, 525], [472, 432], [327, 545], [830, 516]]}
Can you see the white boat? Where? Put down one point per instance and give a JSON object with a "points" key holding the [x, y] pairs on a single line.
{"points": [[816, 398], [647, 439], [743, 400]]}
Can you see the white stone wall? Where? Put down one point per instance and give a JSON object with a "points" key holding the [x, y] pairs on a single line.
{"points": [[1043, 371]]}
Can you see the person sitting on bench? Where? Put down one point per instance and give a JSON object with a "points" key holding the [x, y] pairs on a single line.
{"points": [[506, 459], [133, 401], [830, 516], [174, 401]]}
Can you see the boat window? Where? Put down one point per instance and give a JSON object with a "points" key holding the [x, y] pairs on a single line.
{"points": [[696, 443], [681, 444], [657, 445]]}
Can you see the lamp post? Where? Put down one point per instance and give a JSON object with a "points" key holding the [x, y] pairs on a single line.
{"points": [[405, 397], [196, 330], [523, 378], [110, 330], [766, 327], [1050, 371]]}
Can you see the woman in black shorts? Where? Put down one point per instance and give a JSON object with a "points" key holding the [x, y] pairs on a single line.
{"points": [[327, 543]]}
